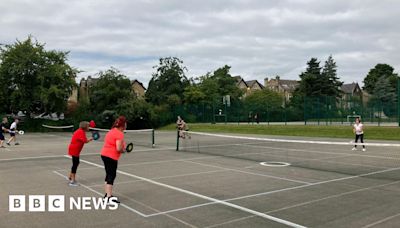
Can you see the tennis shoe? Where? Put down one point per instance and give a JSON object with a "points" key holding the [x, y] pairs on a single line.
{"points": [[354, 148], [73, 184], [16, 144], [8, 144], [364, 149]]}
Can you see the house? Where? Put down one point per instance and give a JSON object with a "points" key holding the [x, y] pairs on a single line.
{"points": [[282, 86], [352, 94], [138, 89], [248, 86], [84, 87]]}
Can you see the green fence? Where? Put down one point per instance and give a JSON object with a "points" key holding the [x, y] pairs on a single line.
{"points": [[308, 110]]}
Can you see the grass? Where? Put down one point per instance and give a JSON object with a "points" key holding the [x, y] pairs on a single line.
{"points": [[371, 132]]}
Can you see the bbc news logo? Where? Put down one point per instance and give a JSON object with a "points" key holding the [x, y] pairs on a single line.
{"points": [[57, 203]]}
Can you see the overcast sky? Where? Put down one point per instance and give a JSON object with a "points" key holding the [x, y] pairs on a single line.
{"points": [[260, 38]]}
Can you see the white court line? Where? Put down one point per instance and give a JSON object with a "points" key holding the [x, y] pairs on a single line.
{"points": [[281, 148], [100, 194], [269, 217], [256, 174], [314, 201], [283, 190], [295, 141], [381, 221], [164, 177], [83, 154], [29, 158], [145, 163], [320, 152]]}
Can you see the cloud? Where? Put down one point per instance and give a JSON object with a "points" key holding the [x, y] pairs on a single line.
{"points": [[257, 38]]}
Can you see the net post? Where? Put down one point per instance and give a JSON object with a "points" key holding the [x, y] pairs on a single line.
{"points": [[153, 144], [177, 140]]}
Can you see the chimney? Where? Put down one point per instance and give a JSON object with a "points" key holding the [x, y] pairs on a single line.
{"points": [[266, 81]]}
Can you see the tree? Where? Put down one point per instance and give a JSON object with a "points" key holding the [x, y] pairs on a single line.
{"points": [[34, 79], [110, 89], [265, 100], [213, 86], [332, 84], [310, 83], [317, 83], [379, 71], [168, 82], [193, 94]]}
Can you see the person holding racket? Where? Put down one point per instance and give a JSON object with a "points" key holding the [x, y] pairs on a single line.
{"points": [[3, 129], [358, 129], [78, 140], [13, 131], [114, 145]]}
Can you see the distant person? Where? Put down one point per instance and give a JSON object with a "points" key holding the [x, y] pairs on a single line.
{"points": [[114, 145], [78, 140], [249, 118], [3, 129], [358, 129], [13, 131], [182, 128], [256, 118]]}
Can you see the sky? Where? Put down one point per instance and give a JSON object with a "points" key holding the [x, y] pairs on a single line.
{"points": [[257, 38]]}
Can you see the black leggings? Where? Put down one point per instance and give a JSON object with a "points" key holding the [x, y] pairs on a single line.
{"points": [[110, 165], [361, 137], [75, 163]]}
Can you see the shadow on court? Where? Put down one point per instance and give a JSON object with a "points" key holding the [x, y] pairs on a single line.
{"points": [[160, 187]]}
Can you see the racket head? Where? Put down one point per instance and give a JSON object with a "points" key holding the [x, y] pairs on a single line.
{"points": [[129, 147], [96, 135], [21, 132]]}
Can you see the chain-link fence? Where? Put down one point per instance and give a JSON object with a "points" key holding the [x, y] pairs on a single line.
{"points": [[308, 110]]}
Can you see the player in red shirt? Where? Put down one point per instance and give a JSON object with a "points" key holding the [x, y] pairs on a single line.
{"points": [[114, 145], [75, 148]]}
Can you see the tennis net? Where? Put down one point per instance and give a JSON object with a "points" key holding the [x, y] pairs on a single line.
{"points": [[143, 137], [380, 160], [49, 128]]}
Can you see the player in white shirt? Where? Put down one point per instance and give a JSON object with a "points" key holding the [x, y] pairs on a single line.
{"points": [[358, 129], [13, 131]]}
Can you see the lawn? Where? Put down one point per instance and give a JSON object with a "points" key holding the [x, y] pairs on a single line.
{"points": [[372, 132]]}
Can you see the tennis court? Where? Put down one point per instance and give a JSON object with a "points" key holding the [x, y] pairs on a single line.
{"points": [[213, 180]]}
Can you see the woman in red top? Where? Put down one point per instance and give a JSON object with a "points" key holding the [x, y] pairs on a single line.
{"points": [[75, 148], [114, 145]]}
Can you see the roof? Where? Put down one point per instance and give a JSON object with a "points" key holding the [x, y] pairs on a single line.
{"points": [[287, 85], [252, 82], [138, 82], [349, 88]]}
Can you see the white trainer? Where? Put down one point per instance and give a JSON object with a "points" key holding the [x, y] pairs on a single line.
{"points": [[354, 148]]}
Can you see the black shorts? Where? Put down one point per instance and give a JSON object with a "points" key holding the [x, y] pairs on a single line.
{"points": [[12, 134], [1, 137], [110, 165]]}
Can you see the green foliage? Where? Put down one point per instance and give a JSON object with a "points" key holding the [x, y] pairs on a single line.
{"points": [[212, 87], [381, 83], [193, 94], [110, 89], [34, 79], [317, 83], [138, 112], [263, 101], [168, 82], [331, 86], [379, 71]]}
